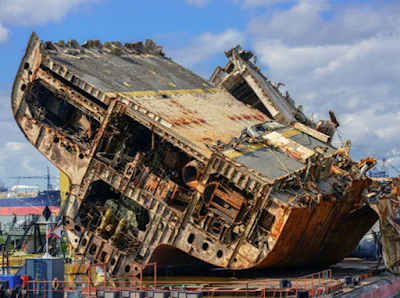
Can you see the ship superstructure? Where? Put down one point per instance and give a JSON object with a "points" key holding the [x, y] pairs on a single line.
{"points": [[168, 167]]}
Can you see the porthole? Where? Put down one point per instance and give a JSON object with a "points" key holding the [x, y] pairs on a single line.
{"points": [[191, 238]]}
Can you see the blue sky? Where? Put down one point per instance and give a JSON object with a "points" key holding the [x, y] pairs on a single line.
{"points": [[340, 55]]}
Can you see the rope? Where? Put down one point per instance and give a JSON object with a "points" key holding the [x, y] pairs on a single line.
{"points": [[392, 167], [277, 158], [26, 203], [340, 137]]}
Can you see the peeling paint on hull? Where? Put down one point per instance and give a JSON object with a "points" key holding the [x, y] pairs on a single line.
{"points": [[162, 161]]}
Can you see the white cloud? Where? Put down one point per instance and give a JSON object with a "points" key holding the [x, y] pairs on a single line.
{"points": [[393, 161], [15, 147], [316, 22], [20, 158], [347, 62], [17, 156], [29, 13], [3, 33], [199, 3], [372, 130], [29, 165], [343, 57], [259, 3], [370, 63], [300, 23], [205, 46]]}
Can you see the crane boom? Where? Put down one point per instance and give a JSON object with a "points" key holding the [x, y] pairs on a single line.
{"points": [[47, 177]]}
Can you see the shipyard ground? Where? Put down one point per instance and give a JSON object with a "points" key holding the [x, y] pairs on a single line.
{"points": [[375, 281]]}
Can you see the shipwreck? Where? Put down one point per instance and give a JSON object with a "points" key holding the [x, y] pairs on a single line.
{"points": [[168, 167]]}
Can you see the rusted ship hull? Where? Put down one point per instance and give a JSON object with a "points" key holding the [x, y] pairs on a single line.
{"points": [[321, 235], [312, 237], [162, 161]]}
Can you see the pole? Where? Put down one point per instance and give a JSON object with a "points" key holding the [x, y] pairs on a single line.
{"points": [[90, 278], [34, 238], [155, 275], [105, 276], [312, 284], [264, 290], [47, 238], [141, 277], [49, 186], [46, 252]]}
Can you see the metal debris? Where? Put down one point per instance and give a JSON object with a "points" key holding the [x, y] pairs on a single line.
{"points": [[163, 162]]}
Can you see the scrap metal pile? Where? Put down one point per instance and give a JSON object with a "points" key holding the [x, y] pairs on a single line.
{"points": [[168, 167]]}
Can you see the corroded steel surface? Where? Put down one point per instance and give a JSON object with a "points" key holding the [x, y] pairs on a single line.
{"points": [[384, 198], [323, 234], [164, 164]]}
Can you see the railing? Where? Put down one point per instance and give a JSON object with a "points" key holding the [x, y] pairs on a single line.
{"points": [[19, 228], [317, 284], [9, 259]]}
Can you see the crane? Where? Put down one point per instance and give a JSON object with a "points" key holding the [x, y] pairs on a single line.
{"points": [[47, 177]]}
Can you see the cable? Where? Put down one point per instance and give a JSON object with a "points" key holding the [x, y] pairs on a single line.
{"points": [[340, 138], [277, 158], [392, 167], [26, 202]]}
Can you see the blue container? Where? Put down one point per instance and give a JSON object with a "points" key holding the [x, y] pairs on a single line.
{"points": [[13, 280], [44, 269]]}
